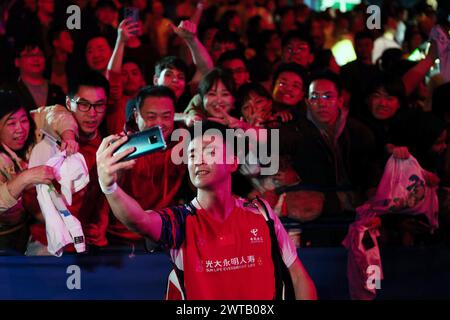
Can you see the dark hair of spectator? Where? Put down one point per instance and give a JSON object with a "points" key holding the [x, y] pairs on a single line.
{"points": [[88, 79], [389, 59], [366, 34], [253, 30], [232, 55], [154, 91], [212, 77], [289, 67], [132, 60], [171, 62], [440, 101], [297, 35], [27, 45], [392, 84], [243, 93], [226, 17], [284, 10], [327, 75], [226, 36], [10, 103], [106, 4]]}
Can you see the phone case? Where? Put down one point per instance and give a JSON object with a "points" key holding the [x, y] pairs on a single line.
{"points": [[145, 142], [132, 13]]}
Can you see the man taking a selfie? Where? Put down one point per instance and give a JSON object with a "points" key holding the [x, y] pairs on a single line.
{"points": [[223, 247]]}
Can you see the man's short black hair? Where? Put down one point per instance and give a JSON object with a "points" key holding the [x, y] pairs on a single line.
{"points": [[88, 79], [95, 36], [392, 84], [106, 4], [171, 62], [132, 60], [27, 44], [246, 89], [232, 55], [154, 91], [297, 35], [290, 67], [226, 36], [327, 75]]}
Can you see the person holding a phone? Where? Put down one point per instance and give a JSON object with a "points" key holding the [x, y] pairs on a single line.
{"points": [[221, 244], [125, 78]]}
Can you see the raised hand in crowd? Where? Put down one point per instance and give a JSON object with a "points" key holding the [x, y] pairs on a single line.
{"points": [[186, 30], [127, 29], [230, 121], [285, 116], [190, 119]]}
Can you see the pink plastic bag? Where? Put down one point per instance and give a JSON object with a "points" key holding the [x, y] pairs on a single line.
{"points": [[403, 190], [361, 260]]}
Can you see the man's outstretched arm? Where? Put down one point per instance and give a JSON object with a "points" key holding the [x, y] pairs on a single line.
{"points": [[124, 207], [303, 285]]}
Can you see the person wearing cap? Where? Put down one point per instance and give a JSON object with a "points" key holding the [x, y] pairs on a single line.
{"points": [[17, 137]]}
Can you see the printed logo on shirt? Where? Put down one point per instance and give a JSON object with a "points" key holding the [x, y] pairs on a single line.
{"points": [[254, 239], [230, 264]]}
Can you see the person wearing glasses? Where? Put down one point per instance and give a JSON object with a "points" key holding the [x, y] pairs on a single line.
{"points": [[33, 88], [297, 47], [331, 153], [87, 101]]}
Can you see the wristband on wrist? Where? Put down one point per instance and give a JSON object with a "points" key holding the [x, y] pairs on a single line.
{"points": [[110, 189]]}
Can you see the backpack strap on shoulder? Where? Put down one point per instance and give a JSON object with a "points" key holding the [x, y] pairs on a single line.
{"points": [[284, 289]]}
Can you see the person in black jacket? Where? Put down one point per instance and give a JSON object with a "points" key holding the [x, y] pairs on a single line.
{"points": [[331, 153], [33, 88]]}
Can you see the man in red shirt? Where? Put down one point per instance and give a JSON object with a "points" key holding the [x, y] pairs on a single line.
{"points": [[87, 100], [221, 244], [155, 105]]}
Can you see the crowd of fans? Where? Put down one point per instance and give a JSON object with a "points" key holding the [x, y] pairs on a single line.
{"points": [[245, 64]]}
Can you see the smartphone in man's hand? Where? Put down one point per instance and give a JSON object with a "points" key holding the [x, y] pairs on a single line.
{"points": [[145, 142]]}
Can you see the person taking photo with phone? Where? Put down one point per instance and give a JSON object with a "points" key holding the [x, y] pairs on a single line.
{"points": [[223, 246]]}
